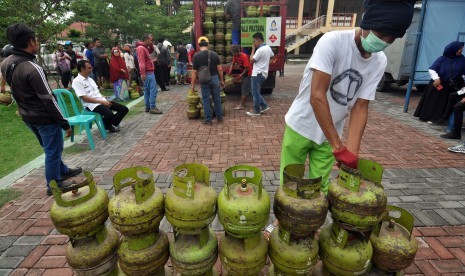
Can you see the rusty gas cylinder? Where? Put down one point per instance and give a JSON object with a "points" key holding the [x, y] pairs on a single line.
{"points": [[194, 254], [394, 246], [190, 204], [243, 257], [292, 256], [357, 198], [94, 255], [144, 254], [344, 252], [243, 203], [80, 213], [299, 204], [138, 206]]}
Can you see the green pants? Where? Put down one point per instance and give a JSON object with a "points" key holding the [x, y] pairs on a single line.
{"points": [[295, 150]]}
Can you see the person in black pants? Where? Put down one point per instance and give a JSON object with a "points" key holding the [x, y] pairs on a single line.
{"points": [[458, 109], [86, 89], [162, 68]]}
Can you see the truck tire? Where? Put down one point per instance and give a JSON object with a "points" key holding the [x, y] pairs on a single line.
{"points": [[267, 91], [383, 84]]}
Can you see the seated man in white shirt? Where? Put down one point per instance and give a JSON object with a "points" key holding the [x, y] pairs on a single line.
{"points": [[87, 90]]}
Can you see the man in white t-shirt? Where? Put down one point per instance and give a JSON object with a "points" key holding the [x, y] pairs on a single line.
{"points": [[341, 79], [87, 90], [260, 60]]}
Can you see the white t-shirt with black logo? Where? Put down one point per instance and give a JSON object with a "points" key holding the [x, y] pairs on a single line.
{"points": [[352, 77]]}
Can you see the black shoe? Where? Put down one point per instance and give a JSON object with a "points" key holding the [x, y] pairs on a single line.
{"points": [[71, 173], [147, 109], [64, 186], [207, 122], [165, 89], [440, 122], [114, 129], [220, 121], [451, 135]]}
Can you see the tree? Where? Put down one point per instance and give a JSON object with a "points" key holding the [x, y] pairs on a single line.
{"points": [[46, 17], [128, 20], [73, 33]]}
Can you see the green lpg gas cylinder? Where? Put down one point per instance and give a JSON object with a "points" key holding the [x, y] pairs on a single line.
{"points": [[299, 204], [292, 256], [243, 257], [137, 206], [394, 246], [208, 24], [243, 204], [94, 255], [194, 254], [145, 254], [219, 12], [210, 12], [80, 213], [190, 204], [357, 197], [344, 253]]}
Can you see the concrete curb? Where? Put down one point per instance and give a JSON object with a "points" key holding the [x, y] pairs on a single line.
{"points": [[11, 178]]}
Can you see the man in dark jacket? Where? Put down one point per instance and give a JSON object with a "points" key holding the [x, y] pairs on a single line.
{"points": [[36, 103]]}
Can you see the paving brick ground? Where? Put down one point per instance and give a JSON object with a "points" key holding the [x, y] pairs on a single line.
{"points": [[420, 174]]}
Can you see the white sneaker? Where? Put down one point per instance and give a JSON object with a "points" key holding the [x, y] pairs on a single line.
{"points": [[265, 109], [253, 113], [458, 149]]}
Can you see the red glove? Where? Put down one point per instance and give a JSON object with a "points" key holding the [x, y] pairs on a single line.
{"points": [[346, 157]]}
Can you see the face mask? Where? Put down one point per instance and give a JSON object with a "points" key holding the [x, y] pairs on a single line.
{"points": [[373, 44]]}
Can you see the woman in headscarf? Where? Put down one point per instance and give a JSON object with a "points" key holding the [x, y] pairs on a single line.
{"points": [[119, 75], [446, 68]]}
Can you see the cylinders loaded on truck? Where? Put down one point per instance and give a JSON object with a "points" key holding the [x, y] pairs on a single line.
{"points": [[265, 16]]}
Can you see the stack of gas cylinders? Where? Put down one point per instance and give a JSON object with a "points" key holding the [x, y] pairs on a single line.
{"points": [[195, 106], [364, 229], [136, 211], [243, 210], [193, 100], [190, 207], [301, 208], [81, 215]]}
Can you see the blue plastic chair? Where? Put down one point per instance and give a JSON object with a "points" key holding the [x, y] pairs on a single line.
{"points": [[78, 119]]}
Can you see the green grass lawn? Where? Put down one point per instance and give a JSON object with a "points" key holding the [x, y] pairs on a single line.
{"points": [[18, 145], [7, 195]]}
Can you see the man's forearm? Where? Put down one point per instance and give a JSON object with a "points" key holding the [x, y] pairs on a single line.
{"points": [[88, 99], [320, 105], [357, 123]]}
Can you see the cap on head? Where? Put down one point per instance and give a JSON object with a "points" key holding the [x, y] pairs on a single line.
{"points": [[68, 43], [203, 38], [391, 17]]}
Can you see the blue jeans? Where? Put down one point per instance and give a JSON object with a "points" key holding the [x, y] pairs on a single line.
{"points": [[51, 139], [213, 89], [236, 37], [150, 91], [258, 101]]}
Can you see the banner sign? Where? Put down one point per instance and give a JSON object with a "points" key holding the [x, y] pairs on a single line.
{"points": [[270, 27]]}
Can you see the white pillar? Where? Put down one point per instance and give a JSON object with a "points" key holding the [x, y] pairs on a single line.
{"points": [[318, 7], [329, 13], [300, 16]]}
